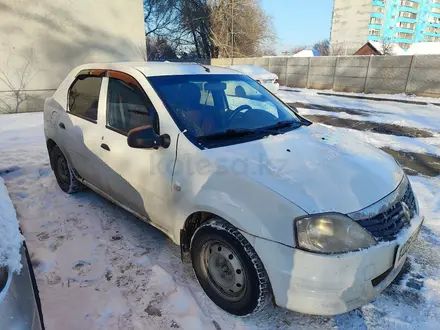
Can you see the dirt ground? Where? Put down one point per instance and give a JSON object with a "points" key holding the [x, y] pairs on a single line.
{"points": [[414, 163]]}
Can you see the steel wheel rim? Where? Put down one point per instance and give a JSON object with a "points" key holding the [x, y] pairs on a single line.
{"points": [[224, 270], [63, 170]]}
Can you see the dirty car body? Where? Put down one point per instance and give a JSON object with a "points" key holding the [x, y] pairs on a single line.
{"points": [[263, 201]]}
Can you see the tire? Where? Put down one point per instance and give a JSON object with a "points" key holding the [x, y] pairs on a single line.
{"points": [[228, 268], [63, 172]]}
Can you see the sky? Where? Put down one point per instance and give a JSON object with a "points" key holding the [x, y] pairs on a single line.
{"points": [[299, 22]]}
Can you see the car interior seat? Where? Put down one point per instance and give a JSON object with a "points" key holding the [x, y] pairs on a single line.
{"points": [[196, 113]]}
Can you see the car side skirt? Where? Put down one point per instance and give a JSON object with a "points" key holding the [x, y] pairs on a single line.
{"points": [[114, 201]]}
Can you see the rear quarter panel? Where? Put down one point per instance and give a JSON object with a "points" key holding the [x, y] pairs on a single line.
{"points": [[56, 105]]}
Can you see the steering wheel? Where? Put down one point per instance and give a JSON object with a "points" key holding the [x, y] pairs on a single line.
{"points": [[239, 110]]}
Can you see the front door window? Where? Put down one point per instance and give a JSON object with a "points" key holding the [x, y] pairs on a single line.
{"points": [[127, 106]]}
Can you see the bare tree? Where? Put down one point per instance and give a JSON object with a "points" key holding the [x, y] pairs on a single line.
{"points": [[322, 47], [240, 28], [268, 51], [17, 83], [163, 21], [159, 49], [387, 47], [141, 50], [339, 49], [296, 49], [209, 28], [195, 22], [159, 17]]}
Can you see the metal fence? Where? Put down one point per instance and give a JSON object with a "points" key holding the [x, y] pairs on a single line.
{"points": [[418, 74]]}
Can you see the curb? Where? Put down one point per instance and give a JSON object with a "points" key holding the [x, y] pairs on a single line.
{"points": [[376, 98], [372, 98]]}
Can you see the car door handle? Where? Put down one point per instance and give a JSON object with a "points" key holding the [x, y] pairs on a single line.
{"points": [[62, 125], [105, 147]]}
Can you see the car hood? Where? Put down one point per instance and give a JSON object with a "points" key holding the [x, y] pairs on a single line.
{"points": [[263, 76], [255, 72], [320, 169]]}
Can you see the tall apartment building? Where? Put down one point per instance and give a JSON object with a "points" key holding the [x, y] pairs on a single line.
{"points": [[397, 21]]}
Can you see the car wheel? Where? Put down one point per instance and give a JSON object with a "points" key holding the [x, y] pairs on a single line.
{"points": [[228, 268], [63, 172]]}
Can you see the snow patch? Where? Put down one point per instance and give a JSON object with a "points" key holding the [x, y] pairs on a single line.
{"points": [[186, 311], [398, 120], [10, 238], [179, 302], [161, 281], [427, 191], [414, 115], [400, 143], [431, 291]]}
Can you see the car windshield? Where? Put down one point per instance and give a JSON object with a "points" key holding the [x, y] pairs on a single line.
{"points": [[214, 105]]}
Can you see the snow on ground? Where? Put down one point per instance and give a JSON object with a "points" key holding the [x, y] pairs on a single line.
{"points": [[399, 143], [400, 96], [411, 115], [406, 121], [428, 191], [10, 237], [98, 267]]}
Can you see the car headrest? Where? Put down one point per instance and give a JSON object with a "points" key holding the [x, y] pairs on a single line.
{"points": [[190, 94], [240, 92]]}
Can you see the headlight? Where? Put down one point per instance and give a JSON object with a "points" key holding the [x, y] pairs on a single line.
{"points": [[331, 233]]}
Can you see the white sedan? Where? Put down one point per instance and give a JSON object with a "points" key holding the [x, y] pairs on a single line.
{"points": [[268, 79], [263, 202]]}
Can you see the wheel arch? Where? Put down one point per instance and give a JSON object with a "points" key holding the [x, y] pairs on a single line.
{"points": [[192, 222], [198, 218], [50, 144]]}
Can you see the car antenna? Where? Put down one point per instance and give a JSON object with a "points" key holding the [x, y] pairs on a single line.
{"points": [[204, 67]]}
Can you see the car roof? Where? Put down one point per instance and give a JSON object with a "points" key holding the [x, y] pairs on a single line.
{"points": [[151, 69]]}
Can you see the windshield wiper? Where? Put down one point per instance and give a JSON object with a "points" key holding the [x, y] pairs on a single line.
{"points": [[237, 132], [234, 132], [283, 124]]}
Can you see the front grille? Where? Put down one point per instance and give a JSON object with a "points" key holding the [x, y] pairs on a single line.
{"points": [[410, 200], [385, 226]]}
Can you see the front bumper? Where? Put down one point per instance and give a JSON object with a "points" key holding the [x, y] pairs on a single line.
{"points": [[331, 284]]}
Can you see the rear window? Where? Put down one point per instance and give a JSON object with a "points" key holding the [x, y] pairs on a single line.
{"points": [[84, 97]]}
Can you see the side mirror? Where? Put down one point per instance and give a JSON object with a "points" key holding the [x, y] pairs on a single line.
{"points": [[145, 137]]}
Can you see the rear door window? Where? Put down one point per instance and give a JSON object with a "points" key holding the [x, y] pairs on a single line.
{"points": [[84, 97]]}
